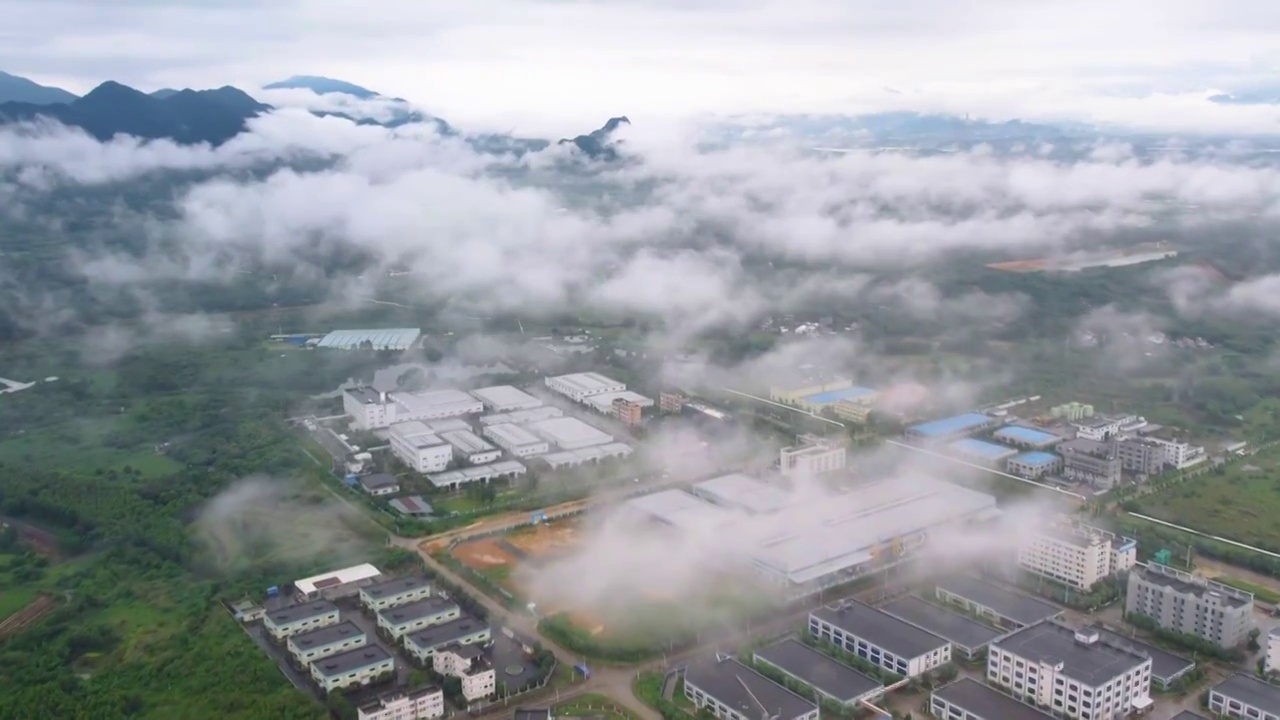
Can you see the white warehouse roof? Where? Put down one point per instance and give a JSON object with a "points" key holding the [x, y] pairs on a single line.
{"points": [[570, 433], [356, 573], [588, 382], [506, 397], [521, 417], [512, 435], [745, 492], [454, 401], [385, 339], [604, 401], [679, 509], [467, 441], [587, 454]]}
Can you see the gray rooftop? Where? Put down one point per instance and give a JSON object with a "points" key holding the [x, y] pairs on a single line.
{"points": [[294, 613], [880, 629], [1251, 691], [511, 434], [445, 633], [1164, 664], [1229, 595], [744, 491], [953, 626], [390, 697], [395, 586], [1188, 715], [326, 636], [1095, 448], [418, 609], [1092, 665], [1022, 609], [379, 481], [351, 660], [467, 441], [569, 431], [745, 690], [986, 702], [365, 395], [814, 668], [506, 396]]}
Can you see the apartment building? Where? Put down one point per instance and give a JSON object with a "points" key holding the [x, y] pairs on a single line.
{"points": [[403, 619], [396, 591], [469, 664], [1142, 456], [291, 620], [1076, 555], [353, 668], [730, 690], [671, 402], [307, 647], [1185, 603], [1090, 461], [1072, 674], [422, 704], [466, 630], [879, 638], [1244, 696]]}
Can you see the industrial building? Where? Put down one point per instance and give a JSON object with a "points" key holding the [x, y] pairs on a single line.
{"points": [[1025, 437], [505, 398], [353, 668], [569, 433], [1166, 668], [679, 509], [522, 417], [1034, 464], [627, 412], [603, 403], [466, 630], [293, 619], [1273, 650], [1072, 411], [1178, 453], [742, 492], [587, 455], [968, 637], [419, 448], [671, 403], [469, 664], [455, 479], [980, 452], [422, 704], [968, 699], [1075, 554], [380, 484], [1192, 605], [1071, 673], [307, 647], [400, 620], [1246, 697], [1090, 461], [385, 339], [829, 678], [730, 690], [370, 409], [445, 425], [580, 386], [854, 411], [1142, 456], [1098, 427], [790, 394], [396, 591], [811, 457], [471, 448], [879, 638], [952, 428], [338, 583], [1006, 608], [516, 440], [818, 402]]}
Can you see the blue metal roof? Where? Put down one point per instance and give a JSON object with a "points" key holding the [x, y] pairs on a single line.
{"points": [[1037, 457], [1026, 435], [981, 448], [834, 396], [947, 426]]}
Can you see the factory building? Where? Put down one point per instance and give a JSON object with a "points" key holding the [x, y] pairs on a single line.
{"points": [[353, 668], [968, 637], [587, 455], [742, 492], [968, 699], [1166, 668], [1076, 555], [829, 678], [1025, 437], [879, 638], [1191, 605], [338, 583], [293, 619], [466, 630], [1034, 464], [854, 411], [730, 690], [627, 412], [791, 394], [569, 433], [1091, 461], [505, 398], [516, 440], [1071, 412], [370, 409], [580, 386], [680, 510], [818, 402], [419, 448], [1097, 427], [603, 403], [980, 452], [522, 417], [811, 457], [1179, 454], [307, 647], [1005, 608], [1073, 674], [423, 704], [947, 429], [399, 620], [1142, 456], [1245, 697], [396, 591], [455, 479], [469, 664], [471, 448]]}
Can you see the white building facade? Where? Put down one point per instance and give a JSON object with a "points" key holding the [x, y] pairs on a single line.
{"points": [[419, 448], [811, 460], [516, 440], [468, 664], [282, 623], [352, 668], [404, 619], [1077, 555], [580, 386], [424, 704]]}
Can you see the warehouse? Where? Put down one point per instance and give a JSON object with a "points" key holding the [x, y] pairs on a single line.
{"points": [[445, 425], [679, 509], [820, 401], [396, 591], [1166, 668], [318, 644], [1025, 437], [1245, 696], [385, 339], [516, 440], [1005, 608], [569, 433], [339, 583], [881, 639], [353, 668], [295, 619], [522, 417], [580, 386], [980, 452], [587, 455], [402, 619], [419, 448], [730, 690], [603, 403], [466, 630], [412, 506], [471, 448], [1034, 464], [505, 398], [455, 479], [967, 636], [968, 699], [380, 484], [830, 678], [742, 492], [370, 409], [937, 431]]}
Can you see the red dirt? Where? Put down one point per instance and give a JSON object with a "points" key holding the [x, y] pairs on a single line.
{"points": [[483, 554], [37, 609], [41, 541], [543, 539]]}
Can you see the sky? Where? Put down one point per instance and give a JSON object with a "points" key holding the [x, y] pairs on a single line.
{"points": [[564, 65]]}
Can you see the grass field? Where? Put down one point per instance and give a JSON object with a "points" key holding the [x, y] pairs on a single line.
{"points": [[594, 705], [1263, 594], [1241, 504]]}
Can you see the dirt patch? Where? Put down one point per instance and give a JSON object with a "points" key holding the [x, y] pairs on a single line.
{"points": [[543, 540], [483, 554], [28, 615], [41, 541]]}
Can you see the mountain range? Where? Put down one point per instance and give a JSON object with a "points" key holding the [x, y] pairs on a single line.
{"points": [[215, 116]]}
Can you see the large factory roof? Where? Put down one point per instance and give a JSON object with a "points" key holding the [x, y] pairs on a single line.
{"points": [[593, 452], [506, 397], [588, 382], [434, 400], [1018, 607], [385, 339], [951, 425], [569, 432], [520, 417], [1093, 665], [355, 573], [1030, 436], [477, 473], [1036, 457], [832, 397], [981, 449], [680, 509], [467, 441], [743, 491], [512, 435]]}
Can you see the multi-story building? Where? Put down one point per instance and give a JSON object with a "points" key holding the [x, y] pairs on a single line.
{"points": [[1142, 456], [353, 668], [854, 410], [812, 457], [1185, 603], [968, 699], [1178, 453], [422, 704], [1091, 461], [469, 664], [1034, 464], [580, 386], [1073, 674], [471, 448], [879, 638], [1244, 696], [466, 630], [370, 409], [671, 402], [1097, 427], [307, 647], [396, 591], [730, 690], [628, 412], [1273, 651], [403, 619], [419, 447], [294, 619], [1076, 554]]}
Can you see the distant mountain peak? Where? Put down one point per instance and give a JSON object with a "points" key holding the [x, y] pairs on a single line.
{"points": [[322, 86], [14, 88], [599, 143]]}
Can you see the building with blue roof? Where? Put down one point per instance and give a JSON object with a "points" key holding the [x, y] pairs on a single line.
{"points": [[937, 431], [980, 452], [1026, 437], [831, 397], [1035, 464]]}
